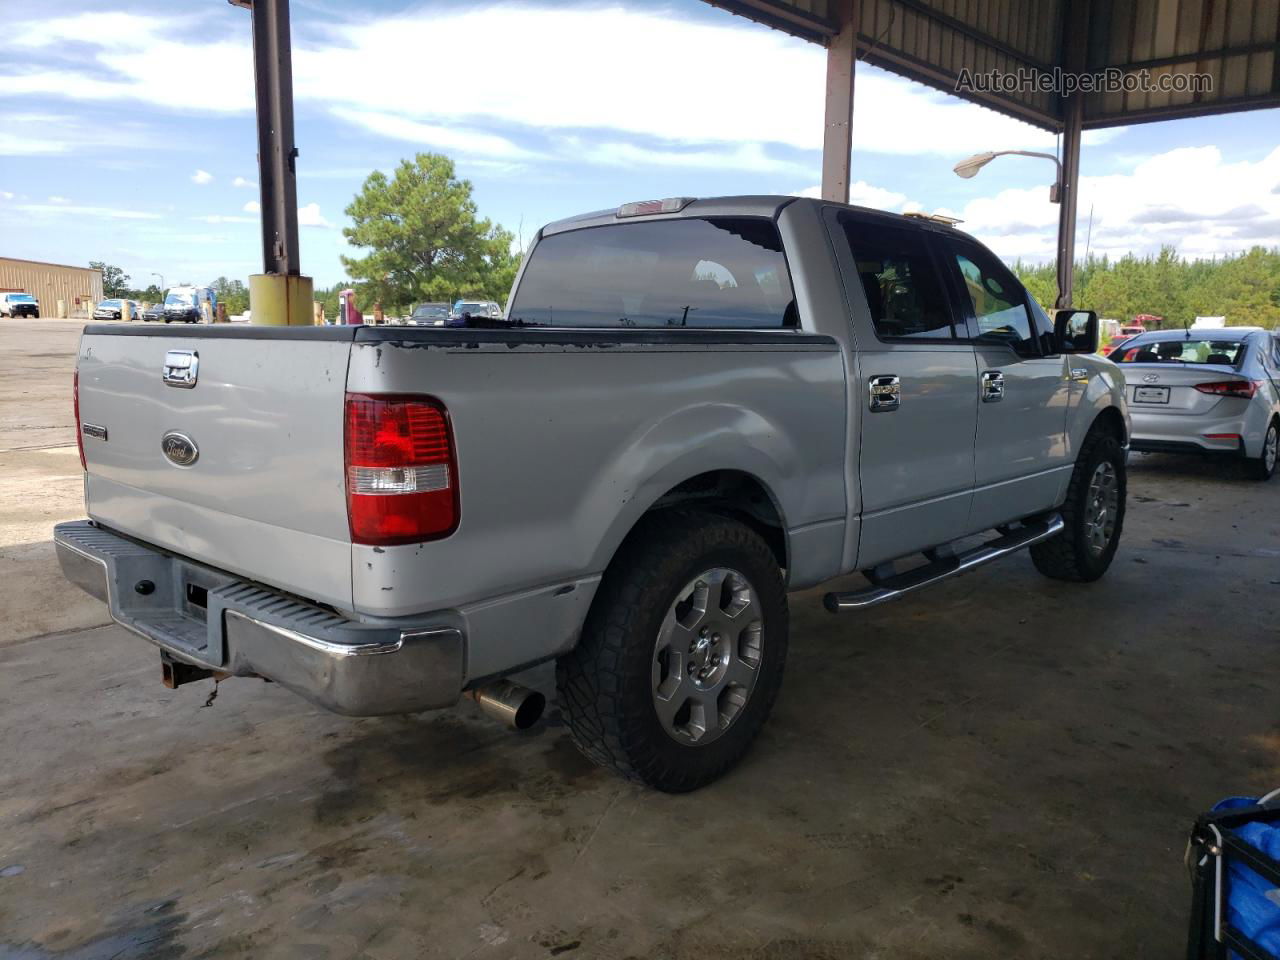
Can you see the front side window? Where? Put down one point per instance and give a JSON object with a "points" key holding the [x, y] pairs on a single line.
{"points": [[903, 289], [712, 272], [998, 302]]}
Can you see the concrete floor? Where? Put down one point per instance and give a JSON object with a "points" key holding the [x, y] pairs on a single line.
{"points": [[1003, 766]]}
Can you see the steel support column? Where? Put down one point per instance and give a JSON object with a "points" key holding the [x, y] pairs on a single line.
{"points": [[837, 139], [1067, 199], [1076, 33], [273, 80]]}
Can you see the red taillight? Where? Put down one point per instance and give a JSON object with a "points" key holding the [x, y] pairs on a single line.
{"points": [[75, 405], [402, 477], [1244, 389]]}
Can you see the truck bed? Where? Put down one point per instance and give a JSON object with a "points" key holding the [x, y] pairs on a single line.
{"points": [[563, 439]]}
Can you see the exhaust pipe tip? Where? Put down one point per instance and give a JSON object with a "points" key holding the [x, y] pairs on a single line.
{"points": [[511, 704]]}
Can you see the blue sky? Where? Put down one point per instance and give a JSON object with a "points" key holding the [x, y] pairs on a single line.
{"points": [[127, 134]]}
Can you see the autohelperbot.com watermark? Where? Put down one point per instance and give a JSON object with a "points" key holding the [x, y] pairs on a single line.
{"points": [[1066, 82]]}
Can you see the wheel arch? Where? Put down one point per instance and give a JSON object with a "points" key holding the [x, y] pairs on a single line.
{"points": [[1111, 419], [736, 493]]}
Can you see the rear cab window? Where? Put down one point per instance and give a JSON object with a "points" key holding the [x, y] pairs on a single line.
{"points": [[704, 272]]}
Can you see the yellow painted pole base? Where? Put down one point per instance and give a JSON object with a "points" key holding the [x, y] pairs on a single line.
{"points": [[280, 300]]}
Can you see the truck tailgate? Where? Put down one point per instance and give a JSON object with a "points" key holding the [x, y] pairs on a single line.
{"points": [[265, 419]]}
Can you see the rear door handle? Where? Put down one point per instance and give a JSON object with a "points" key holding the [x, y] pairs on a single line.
{"points": [[885, 393], [992, 386]]}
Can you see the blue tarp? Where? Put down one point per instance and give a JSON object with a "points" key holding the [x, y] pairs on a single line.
{"points": [[1253, 904]]}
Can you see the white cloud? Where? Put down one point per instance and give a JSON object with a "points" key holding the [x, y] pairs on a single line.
{"points": [[5, 195], [242, 182], [52, 134], [224, 218], [309, 216], [746, 156], [202, 177], [863, 194], [577, 82], [252, 207], [56, 199], [454, 139], [1189, 198], [110, 213]]}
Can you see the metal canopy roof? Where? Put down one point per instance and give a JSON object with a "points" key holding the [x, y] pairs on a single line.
{"points": [[1235, 42]]}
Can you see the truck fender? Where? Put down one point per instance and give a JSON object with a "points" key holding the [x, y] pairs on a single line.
{"points": [[664, 454]]}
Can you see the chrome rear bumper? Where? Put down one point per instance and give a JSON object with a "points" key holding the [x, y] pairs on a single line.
{"points": [[217, 621]]}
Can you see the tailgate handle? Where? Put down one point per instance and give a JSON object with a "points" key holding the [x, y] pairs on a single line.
{"points": [[181, 367]]}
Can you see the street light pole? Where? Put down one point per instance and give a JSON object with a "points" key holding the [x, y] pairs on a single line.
{"points": [[161, 276], [1063, 193]]}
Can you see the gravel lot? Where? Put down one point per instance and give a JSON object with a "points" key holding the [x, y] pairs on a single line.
{"points": [[1002, 766]]}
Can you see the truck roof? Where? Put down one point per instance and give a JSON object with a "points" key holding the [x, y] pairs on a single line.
{"points": [[764, 205]]}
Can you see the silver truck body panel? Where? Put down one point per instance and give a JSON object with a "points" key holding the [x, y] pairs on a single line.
{"points": [[564, 439], [774, 410], [266, 498]]}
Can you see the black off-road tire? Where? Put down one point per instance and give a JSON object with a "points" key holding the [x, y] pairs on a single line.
{"points": [[1257, 467], [1067, 556], [605, 684]]}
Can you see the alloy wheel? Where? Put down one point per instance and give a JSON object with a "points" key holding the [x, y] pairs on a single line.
{"points": [[707, 657], [1101, 507]]}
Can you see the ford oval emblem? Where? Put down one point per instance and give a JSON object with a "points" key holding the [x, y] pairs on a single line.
{"points": [[1151, 378], [179, 449]]}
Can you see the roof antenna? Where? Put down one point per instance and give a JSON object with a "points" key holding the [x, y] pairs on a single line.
{"points": [[1186, 328]]}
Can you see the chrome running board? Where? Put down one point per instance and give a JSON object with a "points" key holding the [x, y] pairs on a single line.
{"points": [[942, 567]]}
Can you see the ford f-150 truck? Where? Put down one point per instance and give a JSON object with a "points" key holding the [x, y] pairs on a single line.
{"points": [[690, 409]]}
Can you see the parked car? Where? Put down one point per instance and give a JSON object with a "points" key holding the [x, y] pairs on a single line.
{"points": [[15, 304], [186, 304], [465, 311], [1213, 391], [694, 407], [429, 315], [153, 313], [113, 309]]}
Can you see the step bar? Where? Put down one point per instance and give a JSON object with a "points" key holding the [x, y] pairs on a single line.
{"points": [[943, 567]]}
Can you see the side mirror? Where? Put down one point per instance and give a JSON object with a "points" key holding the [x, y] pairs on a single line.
{"points": [[1075, 331]]}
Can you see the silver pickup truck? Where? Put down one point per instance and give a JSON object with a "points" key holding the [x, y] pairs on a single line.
{"points": [[690, 409]]}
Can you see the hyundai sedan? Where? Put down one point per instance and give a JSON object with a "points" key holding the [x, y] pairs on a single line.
{"points": [[1207, 391]]}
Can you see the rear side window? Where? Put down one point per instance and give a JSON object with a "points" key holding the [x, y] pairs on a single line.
{"points": [[903, 289], [712, 272]]}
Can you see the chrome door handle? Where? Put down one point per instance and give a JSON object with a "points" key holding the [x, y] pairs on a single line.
{"points": [[1080, 374], [885, 393], [992, 386]]}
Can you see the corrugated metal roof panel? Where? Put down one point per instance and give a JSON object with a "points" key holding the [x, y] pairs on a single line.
{"points": [[1236, 43]]}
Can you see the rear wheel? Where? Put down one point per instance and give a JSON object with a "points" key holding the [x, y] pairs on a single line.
{"points": [[1093, 514], [682, 653], [1264, 467]]}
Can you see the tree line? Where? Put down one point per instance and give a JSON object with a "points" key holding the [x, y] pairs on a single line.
{"points": [[1244, 288], [116, 283]]}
